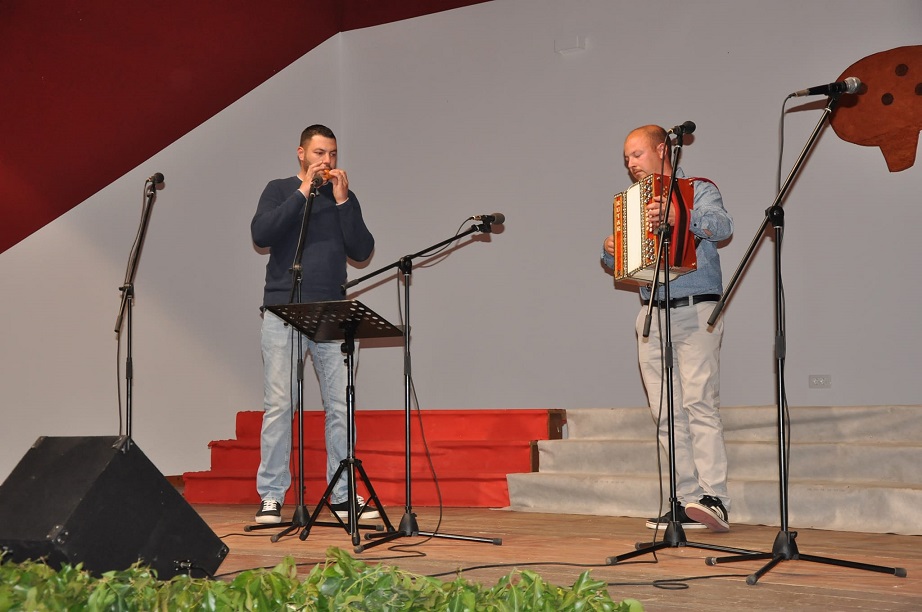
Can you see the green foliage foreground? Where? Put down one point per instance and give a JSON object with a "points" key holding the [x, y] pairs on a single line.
{"points": [[341, 583]]}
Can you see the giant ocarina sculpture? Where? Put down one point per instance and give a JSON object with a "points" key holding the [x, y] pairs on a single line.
{"points": [[887, 110]]}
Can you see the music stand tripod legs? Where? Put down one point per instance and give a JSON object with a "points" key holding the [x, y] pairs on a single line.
{"points": [[350, 465]]}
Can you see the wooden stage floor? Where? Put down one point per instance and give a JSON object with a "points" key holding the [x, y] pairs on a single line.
{"points": [[559, 547]]}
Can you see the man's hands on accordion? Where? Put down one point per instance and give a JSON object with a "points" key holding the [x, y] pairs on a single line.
{"points": [[655, 212], [654, 215]]}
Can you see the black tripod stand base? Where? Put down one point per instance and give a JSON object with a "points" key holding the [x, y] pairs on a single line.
{"points": [[299, 520], [785, 549], [347, 468], [409, 528], [674, 537]]}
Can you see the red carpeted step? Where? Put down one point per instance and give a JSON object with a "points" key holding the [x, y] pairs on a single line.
{"points": [[523, 424], [470, 450], [465, 490], [512, 455]]}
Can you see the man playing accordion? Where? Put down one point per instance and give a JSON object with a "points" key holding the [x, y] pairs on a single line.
{"points": [[700, 453]]}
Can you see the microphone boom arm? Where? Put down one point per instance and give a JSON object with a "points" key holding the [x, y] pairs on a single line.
{"points": [[485, 228], [774, 211]]}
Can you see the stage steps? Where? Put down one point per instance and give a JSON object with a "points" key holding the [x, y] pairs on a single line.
{"points": [[471, 451], [851, 468]]}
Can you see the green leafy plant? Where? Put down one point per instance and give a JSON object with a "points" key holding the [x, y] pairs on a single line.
{"points": [[340, 583]]}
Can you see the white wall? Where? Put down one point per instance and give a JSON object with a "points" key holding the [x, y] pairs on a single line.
{"points": [[466, 112]]}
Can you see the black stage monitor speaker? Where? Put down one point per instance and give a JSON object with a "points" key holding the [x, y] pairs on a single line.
{"points": [[99, 501]]}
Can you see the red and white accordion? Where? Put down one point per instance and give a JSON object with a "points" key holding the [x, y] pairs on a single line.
{"points": [[636, 243]]}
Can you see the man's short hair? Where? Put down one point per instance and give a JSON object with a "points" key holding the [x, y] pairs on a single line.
{"points": [[316, 130]]}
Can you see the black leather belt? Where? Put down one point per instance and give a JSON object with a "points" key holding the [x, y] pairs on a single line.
{"points": [[685, 301]]}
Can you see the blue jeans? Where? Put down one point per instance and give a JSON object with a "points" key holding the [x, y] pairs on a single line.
{"points": [[279, 349]]}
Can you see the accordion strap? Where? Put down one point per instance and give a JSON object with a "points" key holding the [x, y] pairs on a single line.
{"points": [[699, 178]]}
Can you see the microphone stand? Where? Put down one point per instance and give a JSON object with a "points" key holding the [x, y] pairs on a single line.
{"points": [[674, 535], [127, 303], [784, 547], [408, 525]]}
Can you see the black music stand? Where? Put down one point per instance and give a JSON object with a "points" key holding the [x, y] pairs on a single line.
{"points": [[784, 548], [345, 320]]}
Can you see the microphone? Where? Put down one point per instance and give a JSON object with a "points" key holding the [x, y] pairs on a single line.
{"points": [[686, 128], [156, 179], [849, 85], [317, 181], [497, 218]]}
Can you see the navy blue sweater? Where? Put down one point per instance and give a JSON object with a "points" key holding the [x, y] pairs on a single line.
{"points": [[334, 233]]}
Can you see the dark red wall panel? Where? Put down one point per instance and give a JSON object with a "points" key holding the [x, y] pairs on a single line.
{"points": [[90, 89]]}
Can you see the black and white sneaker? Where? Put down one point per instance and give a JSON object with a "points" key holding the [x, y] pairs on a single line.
{"points": [[687, 523], [710, 511], [342, 509], [269, 513]]}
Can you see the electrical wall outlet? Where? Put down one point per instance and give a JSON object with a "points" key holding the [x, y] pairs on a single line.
{"points": [[820, 381]]}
